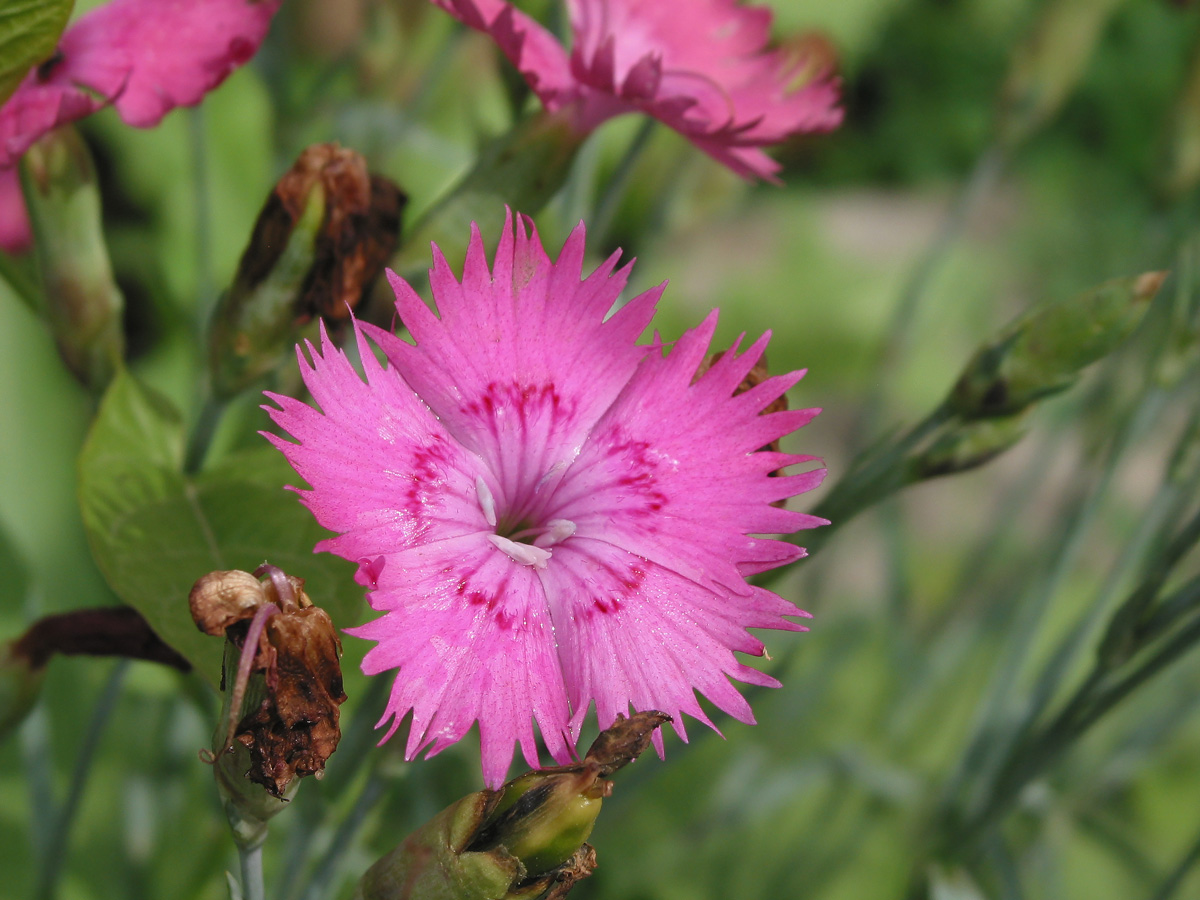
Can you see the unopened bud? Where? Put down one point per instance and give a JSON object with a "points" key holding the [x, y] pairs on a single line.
{"points": [[321, 240], [283, 685], [1043, 351], [543, 818], [964, 445], [1048, 64], [83, 304], [521, 842]]}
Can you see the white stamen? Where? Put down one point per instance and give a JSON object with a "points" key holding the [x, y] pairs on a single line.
{"points": [[557, 530], [487, 501], [525, 554]]}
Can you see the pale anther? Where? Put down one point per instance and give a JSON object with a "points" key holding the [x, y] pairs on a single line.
{"points": [[525, 554], [486, 501], [557, 530]]}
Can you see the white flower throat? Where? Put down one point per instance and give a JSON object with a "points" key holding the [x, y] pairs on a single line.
{"points": [[535, 554]]}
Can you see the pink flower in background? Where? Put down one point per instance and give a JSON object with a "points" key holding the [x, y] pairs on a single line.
{"points": [[145, 57], [547, 513], [699, 66], [15, 236]]}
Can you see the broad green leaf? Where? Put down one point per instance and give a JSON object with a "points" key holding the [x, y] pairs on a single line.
{"points": [[154, 531], [29, 32]]}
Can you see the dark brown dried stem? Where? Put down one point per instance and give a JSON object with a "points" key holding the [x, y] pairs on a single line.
{"points": [[107, 631]]}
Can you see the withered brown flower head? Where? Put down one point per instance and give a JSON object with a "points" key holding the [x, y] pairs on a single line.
{"points": [[285, 693], [322, 238]]}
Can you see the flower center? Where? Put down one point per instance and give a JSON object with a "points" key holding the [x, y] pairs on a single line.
{"points": [[515, 540]]}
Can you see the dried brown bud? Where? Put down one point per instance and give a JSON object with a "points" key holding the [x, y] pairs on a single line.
{"points": [[625, 740], [358, 234], [285, 694], [323, 236]]}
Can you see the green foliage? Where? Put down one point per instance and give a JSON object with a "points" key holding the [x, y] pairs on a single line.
{"points": [[29, 32], [154, 530], [997, 698]]}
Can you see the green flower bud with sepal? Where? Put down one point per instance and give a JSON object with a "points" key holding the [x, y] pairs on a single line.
{"points": [[966, 444], [84, 306], [522, 842], [1043, 351]]}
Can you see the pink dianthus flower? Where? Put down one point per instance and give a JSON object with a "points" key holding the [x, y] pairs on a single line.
{"points": [[145, 57], [700, 66], [547, 513]]}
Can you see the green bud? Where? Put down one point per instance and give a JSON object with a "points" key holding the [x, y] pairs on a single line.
{"points": [[522, 842], [20, 683], [321, 240], [1043, 351], [433, 863], [543, 818], [964, 445], [1048, 64], [83, 304], [523, 170]]}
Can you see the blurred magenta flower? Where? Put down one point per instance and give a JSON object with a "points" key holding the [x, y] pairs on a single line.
{"points": [[547, 513], [145, 57], [700, 66], [15, 236]]}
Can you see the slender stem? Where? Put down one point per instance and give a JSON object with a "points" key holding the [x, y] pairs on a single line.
{"points": [[327, 867], [876, 476], [1087, 705], [1179, 874], [606, 209], [204, 252], [56, 845], [202, 434], [252, 871], [897, 337]]}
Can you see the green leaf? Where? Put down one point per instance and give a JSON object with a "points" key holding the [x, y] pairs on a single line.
{"points": [[29, 33], [154, 531]]}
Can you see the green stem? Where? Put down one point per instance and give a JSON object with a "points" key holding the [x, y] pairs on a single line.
{"points": [[897, 337], [877, 475], [606, 209], [204, 251], [250, 858], [1179, 874], [203, 433], [1090, 702], [56, 845], [327, 868], [23, 284]]}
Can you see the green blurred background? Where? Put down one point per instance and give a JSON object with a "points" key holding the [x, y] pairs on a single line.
{"points": [[936, 615]]}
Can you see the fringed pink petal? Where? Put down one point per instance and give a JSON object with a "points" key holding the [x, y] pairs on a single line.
{"points": [[643, 636], [520, 363], [532, 50], [670, 472], [146, 57], [470, 633], [172, 52], [382, 470]]}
